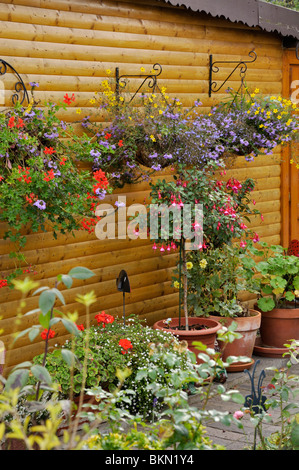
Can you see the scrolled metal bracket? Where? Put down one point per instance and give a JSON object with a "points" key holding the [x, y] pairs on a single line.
{"points": [[256, 400], [241, 65], [20, 87], [150, 78]]}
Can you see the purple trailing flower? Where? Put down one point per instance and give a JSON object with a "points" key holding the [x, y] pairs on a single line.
{"points": [[40, 204]]}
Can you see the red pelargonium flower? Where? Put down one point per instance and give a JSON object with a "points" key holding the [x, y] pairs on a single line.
{"points": [[100, 177], [3, 283], [68, 99], [49, 150], [104, 318], [45, 333], [80, 327], [20, 123], [125, 344], [49, 176], [11, 122]]}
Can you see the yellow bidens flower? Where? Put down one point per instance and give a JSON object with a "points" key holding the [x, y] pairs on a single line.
{"points": [[78, 111], [92, 101], [176, 284], [203, 263], [189, 265], [153, 138]]}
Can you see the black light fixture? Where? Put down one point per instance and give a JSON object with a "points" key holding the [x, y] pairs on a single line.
{"points": [[123, 285]]}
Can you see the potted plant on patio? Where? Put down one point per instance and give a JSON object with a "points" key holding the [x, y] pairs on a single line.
{"points": [[216, 283], [275, 281], [221, 210]]}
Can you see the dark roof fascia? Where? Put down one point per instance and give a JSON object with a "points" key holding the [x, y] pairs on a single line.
{"points": [[253, 13]]}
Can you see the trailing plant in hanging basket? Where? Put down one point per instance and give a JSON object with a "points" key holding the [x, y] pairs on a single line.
{"points": [[252, 124], [40, 185]]}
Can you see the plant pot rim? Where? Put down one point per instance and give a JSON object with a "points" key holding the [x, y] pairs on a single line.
{"points": [[281, 313], [213, 326], [254, 320]]}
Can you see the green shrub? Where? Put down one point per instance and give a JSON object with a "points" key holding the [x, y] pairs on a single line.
{"points": [[105, 356]]}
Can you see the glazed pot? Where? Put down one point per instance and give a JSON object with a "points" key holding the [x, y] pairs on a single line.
{"points": [[248, 328], [206, 335], [279, 326]]}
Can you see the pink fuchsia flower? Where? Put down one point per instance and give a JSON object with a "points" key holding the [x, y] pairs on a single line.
{"points": [[238, 414], [243, 244], [256, 238]]}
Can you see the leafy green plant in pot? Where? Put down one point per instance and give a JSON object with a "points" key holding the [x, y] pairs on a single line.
{"points": [[221, 207], [216, 283], [275, 281]]}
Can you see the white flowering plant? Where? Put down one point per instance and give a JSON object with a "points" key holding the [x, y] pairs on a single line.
{"points": [[113, 346]]}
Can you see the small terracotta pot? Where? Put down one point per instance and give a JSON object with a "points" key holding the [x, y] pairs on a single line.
{"points": [[206, 335], [248, 328], [279, 326]]}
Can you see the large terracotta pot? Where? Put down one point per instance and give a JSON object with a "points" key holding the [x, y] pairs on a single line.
{"points": [[248, 328], [279, 326], [207, 335]]}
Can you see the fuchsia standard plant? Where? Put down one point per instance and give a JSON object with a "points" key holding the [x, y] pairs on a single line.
{"points": [[224, 206]]}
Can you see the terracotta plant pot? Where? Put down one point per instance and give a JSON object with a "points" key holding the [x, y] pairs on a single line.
{"points": [[248, 328], [279, 326], [206, 335]]}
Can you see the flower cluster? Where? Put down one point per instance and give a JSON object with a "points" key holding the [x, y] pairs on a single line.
{"points": [[104, 319], [224, 207], [152, 131], [118, 347], [253, 124], [40, 183]]}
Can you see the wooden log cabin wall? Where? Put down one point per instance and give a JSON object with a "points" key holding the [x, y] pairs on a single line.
{"points": [[67, 46]]}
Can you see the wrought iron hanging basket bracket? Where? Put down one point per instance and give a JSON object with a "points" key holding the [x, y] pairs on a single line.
{"points": [[214, 69], [150, 79], [20, 94]]}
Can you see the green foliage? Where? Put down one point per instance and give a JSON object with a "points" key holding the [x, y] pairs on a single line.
{"points": [[215, 281], [274, 278], [292, 4], [105, 357]]}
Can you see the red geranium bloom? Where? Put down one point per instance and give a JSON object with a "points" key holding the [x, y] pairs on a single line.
{"points": [[125, 344], [20, 123], [11, 122], [45, 333], [68, 99], [49, 150], [80, 327], [3, 283], [104, 318], [100, 177]]}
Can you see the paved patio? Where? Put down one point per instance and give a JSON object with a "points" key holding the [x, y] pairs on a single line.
{"points": [[231, 437]]}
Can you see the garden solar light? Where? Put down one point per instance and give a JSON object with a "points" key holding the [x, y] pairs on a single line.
{"points": [[123, 285]]}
